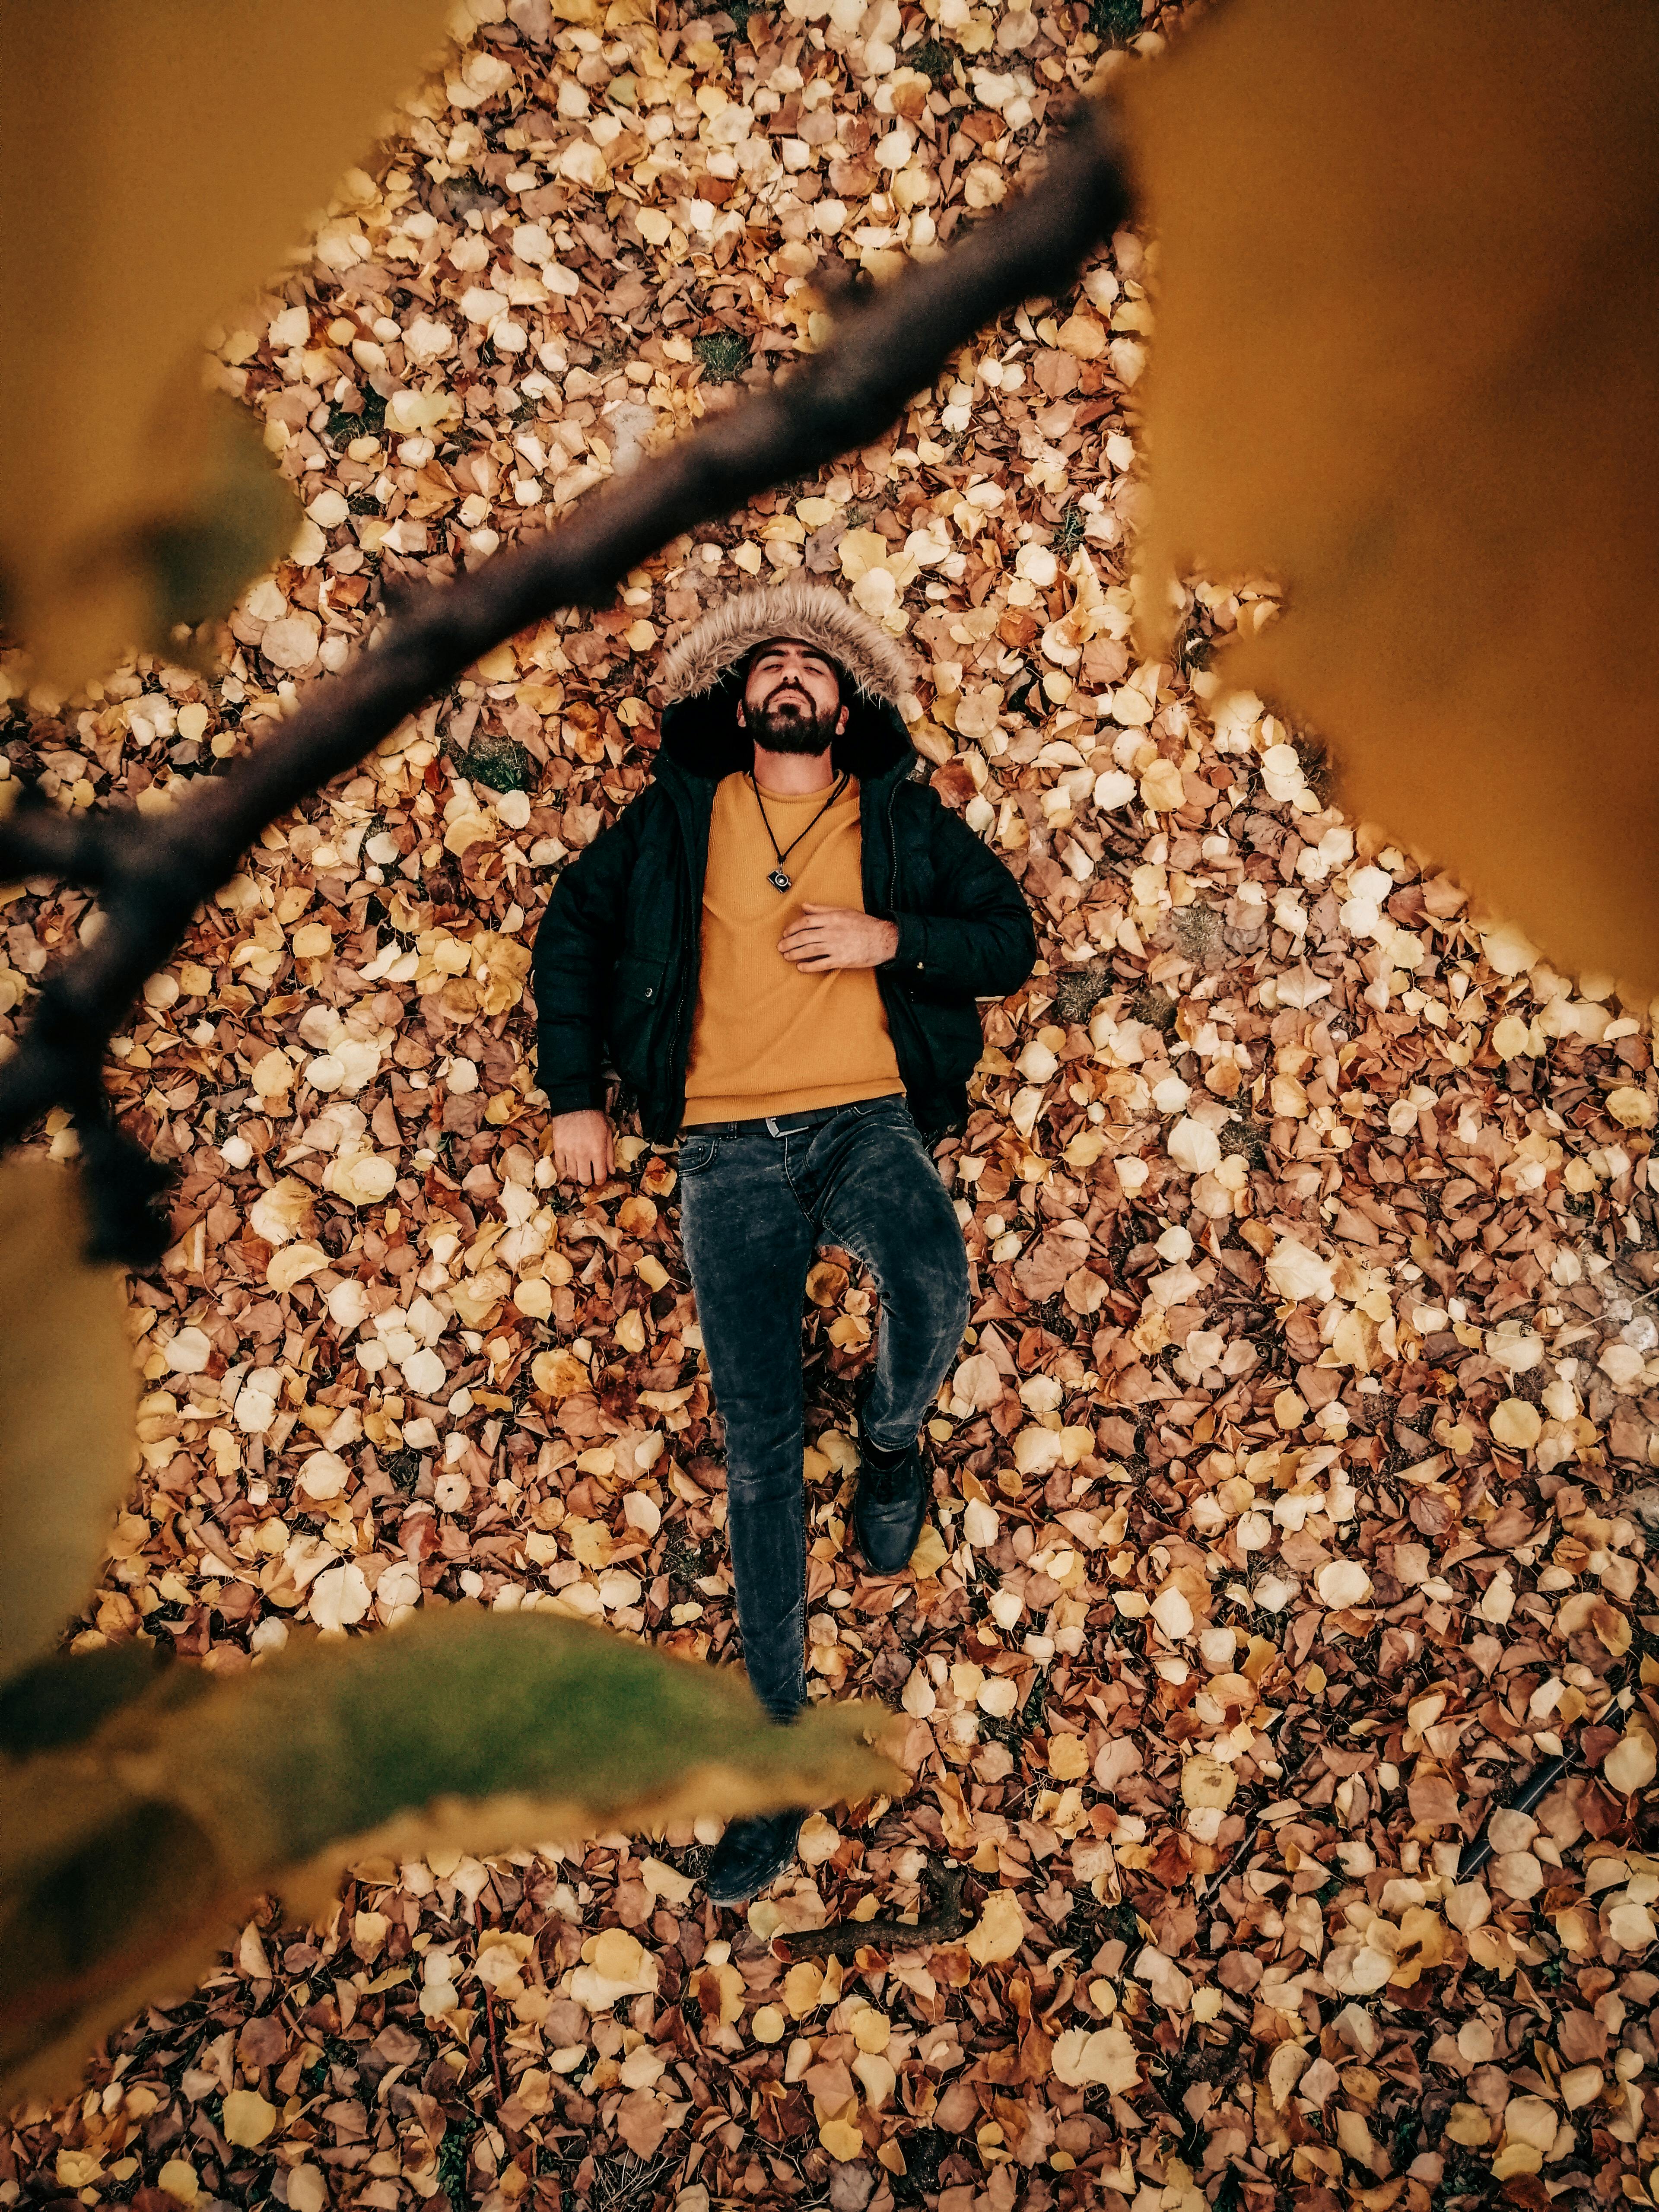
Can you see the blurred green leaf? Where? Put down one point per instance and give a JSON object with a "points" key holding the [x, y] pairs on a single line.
{"points": [[127, 1859]]}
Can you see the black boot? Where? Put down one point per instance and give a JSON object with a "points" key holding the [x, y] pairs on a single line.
{"points": [[750, 1856], [890, 1503]]}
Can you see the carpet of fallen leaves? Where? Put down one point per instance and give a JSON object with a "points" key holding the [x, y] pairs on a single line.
{"points": [[1288, 1484]]}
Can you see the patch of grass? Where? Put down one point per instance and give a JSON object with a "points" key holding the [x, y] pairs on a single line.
{"points": [[1315, 766], [1197, 932], [613, 354], [452, 2156], [1155, 1007], [368, 421], [683, 1559], [933, 60], [1079, 990], [1069, 536], [924, 2152], [732, 16], [498, 761], [405, 1469], [1246, 1136], [1116, 21], [723, 354], [1194, 646]]}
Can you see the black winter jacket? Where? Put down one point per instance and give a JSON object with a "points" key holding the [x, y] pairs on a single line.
{"points": [[617, 955]]}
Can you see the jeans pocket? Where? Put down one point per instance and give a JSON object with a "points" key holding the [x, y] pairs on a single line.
{"points": [[697, 1154]]}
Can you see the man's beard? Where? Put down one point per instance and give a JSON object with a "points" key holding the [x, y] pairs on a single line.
{"points": [[792, 725]]}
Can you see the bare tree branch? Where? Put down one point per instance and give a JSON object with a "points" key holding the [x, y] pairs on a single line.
{"points": [[946, 1922], [154, 870]]}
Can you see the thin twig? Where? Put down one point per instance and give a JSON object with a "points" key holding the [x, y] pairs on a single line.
{"points": [[1533, 1791], [154, 870], [845, 1939], [495, 2048]]}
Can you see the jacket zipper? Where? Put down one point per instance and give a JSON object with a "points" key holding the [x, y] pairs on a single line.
{"points": [[682, 1043], [907, 1018]]}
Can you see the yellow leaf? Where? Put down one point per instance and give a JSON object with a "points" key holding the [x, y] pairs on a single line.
{"points": [[877, 2076], [467, 830], [248, 2119], [292, 1263], [1342, 1582], [999, 1930], [1105, 2056], [1204, 1781], [803, 1986], [930, 1555], [67, 1449], [1516, 1424], [559, 1373], [1284, 2069], [1082, 336], [861, 551], [273, 1073], [1162, 787], [500, 966], [1630, 1764], [1069, 1758]]}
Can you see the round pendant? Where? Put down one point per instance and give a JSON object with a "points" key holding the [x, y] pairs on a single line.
{"points": [[777, 878]]}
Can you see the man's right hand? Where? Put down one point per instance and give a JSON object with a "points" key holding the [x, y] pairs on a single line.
{"points": [[580, 1145]]}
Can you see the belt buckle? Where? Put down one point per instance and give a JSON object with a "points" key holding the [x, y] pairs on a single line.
{"points": [[772, 1125]]}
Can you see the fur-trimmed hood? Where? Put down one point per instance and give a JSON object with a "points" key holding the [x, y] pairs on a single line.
{"points": [[699, 677]]}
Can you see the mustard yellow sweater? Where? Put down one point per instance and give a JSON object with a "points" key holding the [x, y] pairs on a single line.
{"points": [[767, 1038]]}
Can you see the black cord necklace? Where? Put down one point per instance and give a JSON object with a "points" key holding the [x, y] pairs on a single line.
{"points": [[778, 877]]}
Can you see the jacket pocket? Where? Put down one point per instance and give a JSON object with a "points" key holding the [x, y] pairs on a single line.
{"points": [[956, 1039], [639, 977], [633, 1018]]}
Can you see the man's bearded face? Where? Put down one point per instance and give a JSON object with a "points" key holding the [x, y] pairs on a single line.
{"points": [[792, 700]]}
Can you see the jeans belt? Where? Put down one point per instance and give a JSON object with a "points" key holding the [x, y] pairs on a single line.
{"points": [[806, 1118]]}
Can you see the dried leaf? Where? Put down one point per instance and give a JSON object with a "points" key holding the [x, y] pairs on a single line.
{"points": [[999, 1930]]}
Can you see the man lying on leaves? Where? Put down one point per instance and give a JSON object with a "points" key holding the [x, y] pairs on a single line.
{"points": [[779, 945]]}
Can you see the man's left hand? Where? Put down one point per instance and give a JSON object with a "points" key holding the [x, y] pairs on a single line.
{"points": [[828, 937]]}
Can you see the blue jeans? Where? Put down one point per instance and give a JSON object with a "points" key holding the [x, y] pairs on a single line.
{"points": [[753, 1207]]}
